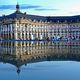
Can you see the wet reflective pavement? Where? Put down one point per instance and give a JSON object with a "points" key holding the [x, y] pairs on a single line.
{"points": [[40, 60]]}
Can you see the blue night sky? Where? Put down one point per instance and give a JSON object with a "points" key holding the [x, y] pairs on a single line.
{"points": [[42, 7]]}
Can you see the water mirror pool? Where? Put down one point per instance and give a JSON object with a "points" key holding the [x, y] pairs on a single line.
{"points": [[40, 60]]}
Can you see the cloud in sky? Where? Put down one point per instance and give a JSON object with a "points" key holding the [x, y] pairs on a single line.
{"points": [[30, 7], [46, 9], [27, 6], [4, 7], [12, 7]]}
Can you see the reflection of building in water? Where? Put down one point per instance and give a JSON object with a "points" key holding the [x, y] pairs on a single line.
{"points": [[20, 49], [41, 47], [33, 47], [22, 26], [20, 53]]}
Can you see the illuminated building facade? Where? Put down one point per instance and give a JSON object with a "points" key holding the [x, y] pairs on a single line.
{"points": [[22, 26]]}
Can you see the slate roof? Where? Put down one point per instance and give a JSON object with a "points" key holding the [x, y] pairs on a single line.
{"points": [[19, 15], [64, 19]]}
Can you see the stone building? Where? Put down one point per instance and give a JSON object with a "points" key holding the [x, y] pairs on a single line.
{"points": [[22, 26]]}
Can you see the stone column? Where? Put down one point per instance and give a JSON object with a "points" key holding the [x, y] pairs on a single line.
{"points": [[15, 33]]}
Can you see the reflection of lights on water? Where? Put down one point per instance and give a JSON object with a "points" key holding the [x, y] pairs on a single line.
{"points": [[30, 47]]}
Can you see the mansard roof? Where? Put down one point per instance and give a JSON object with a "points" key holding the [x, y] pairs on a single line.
{"points": [[68, 19], [19, 15]]}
